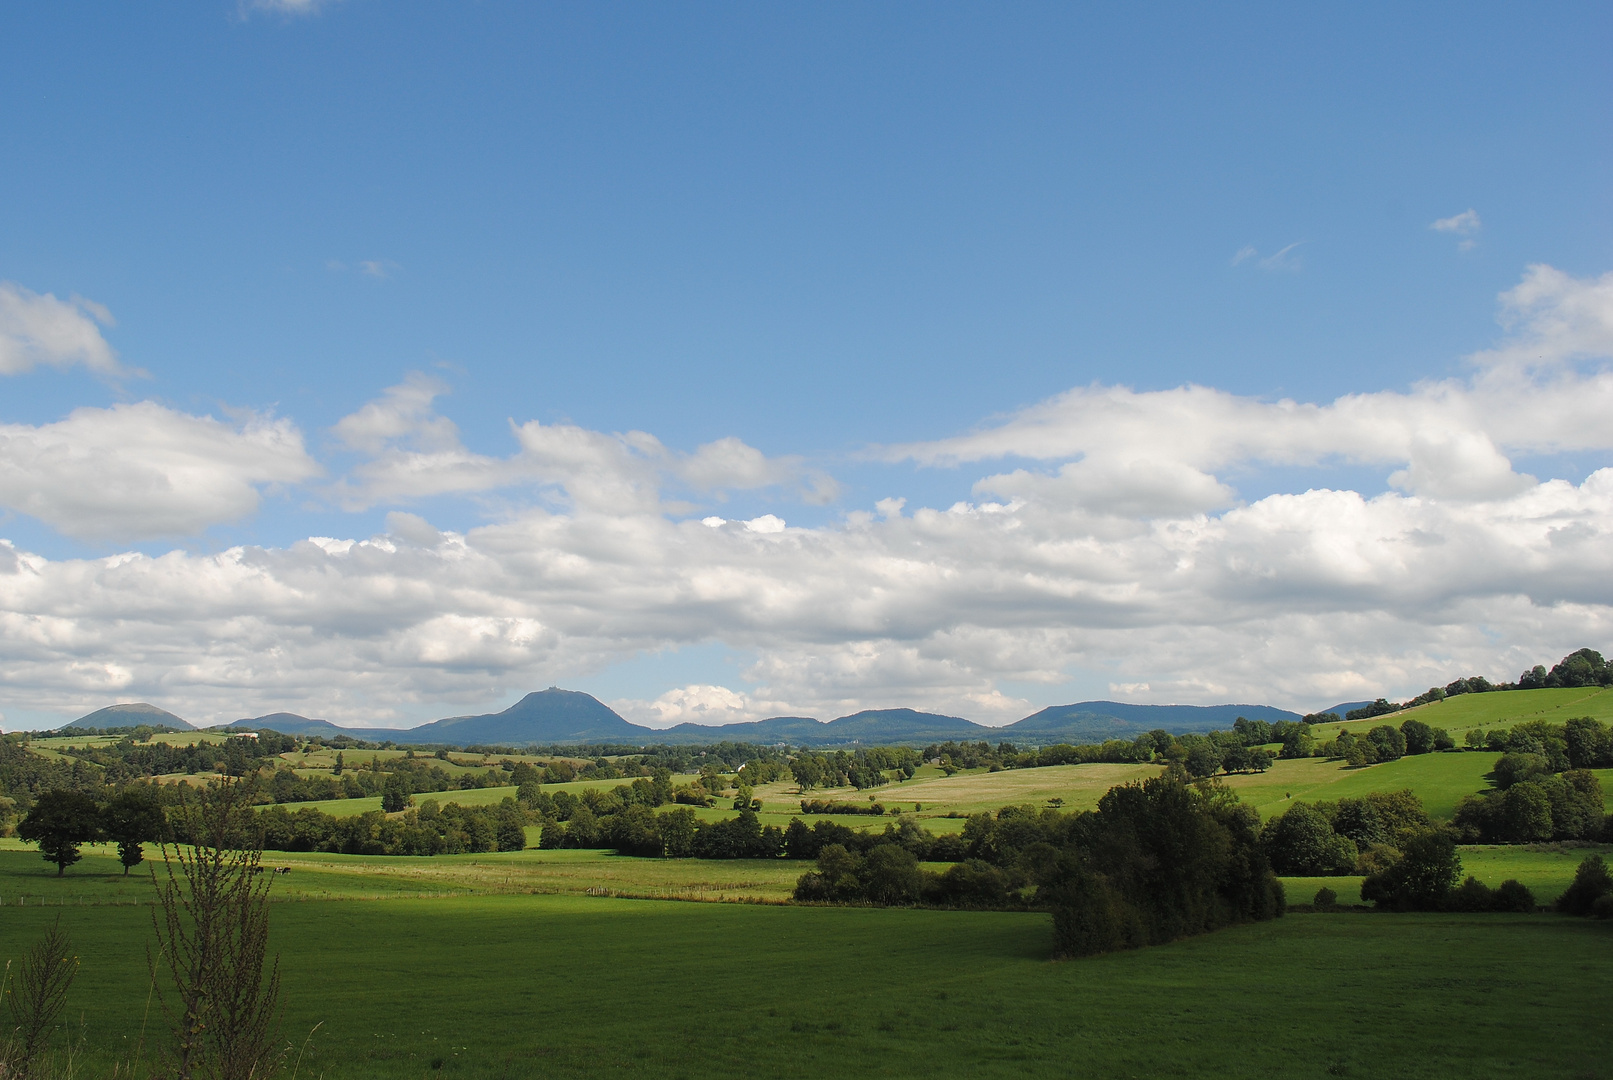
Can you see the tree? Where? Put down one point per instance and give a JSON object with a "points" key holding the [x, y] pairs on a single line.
{"points": [[1591, 882], [1161, 859], [1419, 737], [1388, 741], [60, 822], [677, 829], [1422, 879], [1514, 768], [891, 875], [134, 817], [1302, 843], [1202, 760], [512, 826], [1590, 745], [1584, 667], [395, 794]]}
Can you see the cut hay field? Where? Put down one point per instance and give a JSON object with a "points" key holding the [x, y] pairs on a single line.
{"points": [[580, 987]]}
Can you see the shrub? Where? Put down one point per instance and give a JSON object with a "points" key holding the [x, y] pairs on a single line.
{"points": [[1514, 895], [1326, 899], [1474, 895], [1591, 882]]}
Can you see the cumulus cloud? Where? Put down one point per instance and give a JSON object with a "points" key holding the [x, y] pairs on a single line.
{"points": [[142, 470], [412, 452], [1113, 546], [696, 704], [39, 329], [1159, 453]]}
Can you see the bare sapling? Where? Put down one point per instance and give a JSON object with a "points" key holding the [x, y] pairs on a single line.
{"points": [[34, 996], [221, 993]]}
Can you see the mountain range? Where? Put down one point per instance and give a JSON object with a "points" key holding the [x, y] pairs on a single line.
{"points": [[556, 716]]}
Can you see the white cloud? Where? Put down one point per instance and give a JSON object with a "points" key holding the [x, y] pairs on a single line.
{"points": [[40, 329], [1466, 224], [1285, 259], [1116, 547], [414, 453], [695, 704], [1553, 319], [1463, 224], [140, 471], [286, 7]]}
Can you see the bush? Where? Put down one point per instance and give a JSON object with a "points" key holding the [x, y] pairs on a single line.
{"points": [[1474, 895], [1326, 899], [970, 884], [1514, 895], [1591, 883]]}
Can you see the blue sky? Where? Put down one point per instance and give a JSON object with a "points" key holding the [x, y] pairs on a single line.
{"points": [[822, 231]]}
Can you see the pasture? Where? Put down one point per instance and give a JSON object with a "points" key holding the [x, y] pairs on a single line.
{"points": [[569, 986], [1462, 713]]}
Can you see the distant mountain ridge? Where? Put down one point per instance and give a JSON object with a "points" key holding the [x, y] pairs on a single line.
{"points": [[556, 717]]}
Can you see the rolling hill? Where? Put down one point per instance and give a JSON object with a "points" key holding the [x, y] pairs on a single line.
{"points": [[132, 714], [1095, 721]]}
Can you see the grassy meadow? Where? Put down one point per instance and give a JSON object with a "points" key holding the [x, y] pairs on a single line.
{"points": [[1487, 712], [575, 963], [569, 986]]}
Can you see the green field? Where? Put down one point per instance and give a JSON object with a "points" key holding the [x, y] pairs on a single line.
{"points": [[1440, 780], [579, 986], [1490, 711]]}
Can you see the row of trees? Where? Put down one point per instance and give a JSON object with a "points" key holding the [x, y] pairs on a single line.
{"points": [[860, 769], [62, 822], [1349, 836]]}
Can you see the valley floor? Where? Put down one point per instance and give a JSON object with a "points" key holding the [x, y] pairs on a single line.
{"points": [[496, 981]]}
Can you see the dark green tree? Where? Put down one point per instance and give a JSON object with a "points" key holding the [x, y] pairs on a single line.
{"points": [[1591, 882], [60, 823], [134, 817], [1422, 879], [1419, 737], [1302, 843], [1388, 742], [395, 794], [891, 875]]}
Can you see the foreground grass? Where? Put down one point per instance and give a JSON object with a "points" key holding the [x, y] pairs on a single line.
{"points": [[569, 986]]}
